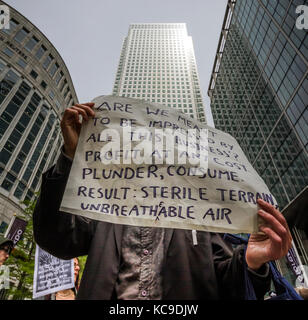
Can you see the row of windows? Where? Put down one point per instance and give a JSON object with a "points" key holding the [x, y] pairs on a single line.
{"points": [[184, 107], [277, 9], [284, 73], [157, 46], [44, 159], [153, 89], [43, 84], [156, 80], [21, 187], [163, 40], [164, 61], [49, 64], [167, 72], [159, 88], [179, 98], [157, 26], [146, 36], [28, 126], [256, 120], [154, 47]]}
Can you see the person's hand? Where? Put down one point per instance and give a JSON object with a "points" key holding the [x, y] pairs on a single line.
{"points": [[71, 125], [275, 242]]}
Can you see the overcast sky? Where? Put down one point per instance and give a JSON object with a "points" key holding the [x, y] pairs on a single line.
{"points": [[88, 34]]}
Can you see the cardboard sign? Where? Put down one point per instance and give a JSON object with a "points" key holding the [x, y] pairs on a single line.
{"points": [[125, 172], [51, 274]]}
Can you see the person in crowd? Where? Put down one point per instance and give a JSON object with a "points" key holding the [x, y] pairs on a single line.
{"points": [[129, 262], [6, 246]]}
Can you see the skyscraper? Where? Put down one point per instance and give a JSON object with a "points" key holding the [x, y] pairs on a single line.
{"points": [[157, 64], [35, 87], [259, 94]]}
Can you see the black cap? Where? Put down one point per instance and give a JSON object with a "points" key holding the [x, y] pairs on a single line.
{"points": [[5, 241]]}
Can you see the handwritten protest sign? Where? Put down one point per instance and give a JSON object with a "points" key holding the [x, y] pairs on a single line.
{"points": [[127, 171], [51, 274]]}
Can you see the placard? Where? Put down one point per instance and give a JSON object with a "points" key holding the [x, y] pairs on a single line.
{"points": [[51, 274], [127, 171]]}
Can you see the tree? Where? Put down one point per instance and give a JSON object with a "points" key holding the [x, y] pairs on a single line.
{"points": [[21, 261]]}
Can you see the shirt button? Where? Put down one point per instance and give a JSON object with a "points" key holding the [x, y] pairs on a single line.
{"points": [[143, 293], [145, 252]]}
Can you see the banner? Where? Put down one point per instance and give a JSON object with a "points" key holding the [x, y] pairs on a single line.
{"points": [[143, 164], [16, 229], [297, 269], [51, 274]]}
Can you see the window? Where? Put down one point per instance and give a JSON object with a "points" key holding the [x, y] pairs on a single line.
{"points": [[21, 34], [8, 52], [66, 92], [33, 74], [19, 190], [47, 61], [8, 182], [59, 77], [7, 84], [22, 63], [43, 84], [31, 43], [53, 69], [40, 52], [63, 85], [51, 94], [58, 104]]}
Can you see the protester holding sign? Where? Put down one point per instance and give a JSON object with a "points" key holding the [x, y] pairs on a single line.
{"points": [[140, 262]]}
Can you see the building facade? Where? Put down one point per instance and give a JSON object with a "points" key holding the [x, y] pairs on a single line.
{"points": [[35, 87], [259, 94], [157, 64]]}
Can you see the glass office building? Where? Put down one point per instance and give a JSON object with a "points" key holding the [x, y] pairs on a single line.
{"points": [[35, 87], [157, 64], [259, 94]]}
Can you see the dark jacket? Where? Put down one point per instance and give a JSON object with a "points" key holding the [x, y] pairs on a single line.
{"points": [[209, 270]]}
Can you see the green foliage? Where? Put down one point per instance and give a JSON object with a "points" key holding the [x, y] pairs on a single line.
{"points": [[21, 260], [82, 262]]}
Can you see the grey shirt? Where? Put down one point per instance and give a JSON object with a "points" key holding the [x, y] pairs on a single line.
{"points": [[142, 255]]}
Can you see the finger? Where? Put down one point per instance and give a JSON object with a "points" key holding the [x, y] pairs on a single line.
{"points": [[275, 213], [271, 234], [274, 237], [277, 227], [274, 223], [82, 112], [70, 113], [277, 242], [90, 104], [269, 208], [87, 108]]}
